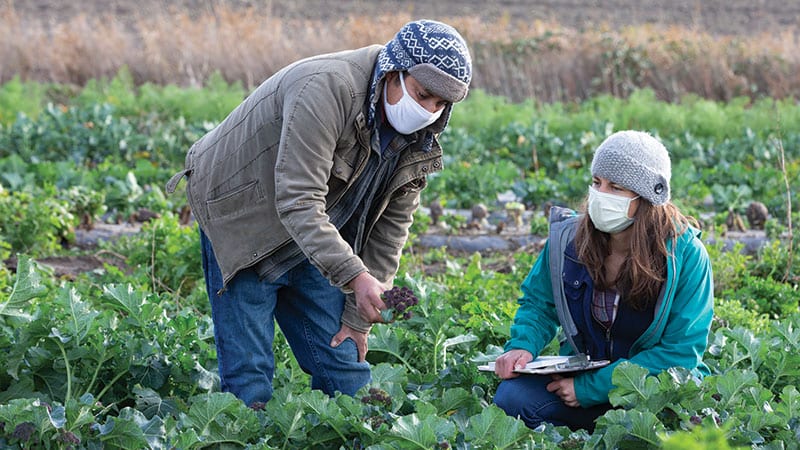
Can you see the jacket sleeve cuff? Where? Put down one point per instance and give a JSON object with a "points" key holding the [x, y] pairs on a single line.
{"points": [[592, 387], [343, 275], [351, 318]]}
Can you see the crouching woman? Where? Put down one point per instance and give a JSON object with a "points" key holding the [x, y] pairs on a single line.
{"points": [[629, 280]]}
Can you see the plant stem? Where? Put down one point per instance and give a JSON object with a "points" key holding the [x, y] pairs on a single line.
{"points": [[69, 371], [108, 386], [96, 372]]}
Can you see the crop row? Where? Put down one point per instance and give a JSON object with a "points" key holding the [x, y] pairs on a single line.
{"points": [[123, 357]]}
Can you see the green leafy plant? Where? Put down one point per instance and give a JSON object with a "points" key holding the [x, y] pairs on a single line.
{"points": [[35, 224]]}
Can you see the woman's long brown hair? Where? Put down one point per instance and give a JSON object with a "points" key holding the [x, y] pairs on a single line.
{"points": [[644, 271]]}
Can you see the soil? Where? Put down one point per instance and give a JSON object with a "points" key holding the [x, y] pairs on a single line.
{"points": [[736, 17], [69, 267]]}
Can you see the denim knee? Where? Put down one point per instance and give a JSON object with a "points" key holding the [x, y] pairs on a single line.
{"points": [[309, 316], [527, 398]]}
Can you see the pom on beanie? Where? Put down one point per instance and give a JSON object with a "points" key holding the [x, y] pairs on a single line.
{"points": [[435, 54], [636, 161]]}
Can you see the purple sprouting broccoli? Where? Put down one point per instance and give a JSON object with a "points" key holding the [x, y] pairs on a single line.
{"points": [[24, 431], [378, 402], [399, 301], [68, 437], [377, 397]]}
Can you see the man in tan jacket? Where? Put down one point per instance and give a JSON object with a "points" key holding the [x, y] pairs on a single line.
{"points": [[304, 195]]}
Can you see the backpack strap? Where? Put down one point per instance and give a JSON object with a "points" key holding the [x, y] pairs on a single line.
{"points": [[562, 231]]}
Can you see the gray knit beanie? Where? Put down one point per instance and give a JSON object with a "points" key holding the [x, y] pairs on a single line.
{"points": [[636, 161], [435, 54]]}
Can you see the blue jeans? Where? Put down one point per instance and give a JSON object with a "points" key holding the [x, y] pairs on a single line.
{"points": [[527, 398], [308, 310]]}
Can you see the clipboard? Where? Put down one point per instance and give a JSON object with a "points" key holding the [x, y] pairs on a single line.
{"points": [[545, 365]]}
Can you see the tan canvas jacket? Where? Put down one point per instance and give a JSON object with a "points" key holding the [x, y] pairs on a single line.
{"points": [[270, 171]]}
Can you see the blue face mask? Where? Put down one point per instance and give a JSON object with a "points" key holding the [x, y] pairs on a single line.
{"points": [[407, 116], [609, 212]]}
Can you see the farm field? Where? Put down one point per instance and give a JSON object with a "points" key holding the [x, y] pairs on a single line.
{"points": [[717, 16], [108, 343]]}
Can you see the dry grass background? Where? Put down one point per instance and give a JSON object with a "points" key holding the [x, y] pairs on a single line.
{"points": [[538, 59]]}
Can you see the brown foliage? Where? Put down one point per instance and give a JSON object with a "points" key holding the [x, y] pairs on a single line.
{"points": [[539, 60]]}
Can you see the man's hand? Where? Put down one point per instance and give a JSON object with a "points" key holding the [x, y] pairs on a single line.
{"points": [[359, 338], [565, 389], [367, 290], [511, 360]]}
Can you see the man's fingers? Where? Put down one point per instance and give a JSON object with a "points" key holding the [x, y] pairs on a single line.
{"points": [[371, 314], [379, 304], [337, 339], [362, 354], [358, 338]]}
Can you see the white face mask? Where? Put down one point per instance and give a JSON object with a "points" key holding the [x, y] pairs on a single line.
{"points": [[408, 116], [609, 212]]}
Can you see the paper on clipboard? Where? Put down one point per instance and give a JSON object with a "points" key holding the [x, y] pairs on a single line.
{"points": [[545, 365]]}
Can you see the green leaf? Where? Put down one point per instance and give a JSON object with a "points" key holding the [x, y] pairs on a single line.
{"points": [[454, 399], [789, 405], [460, 339], [153, 372], [633, 385], [204, 378], [152, 405], [495, 428], [328, 412], [58, 416], [381, 339], [645, 426], [632, 427], [124, 433], [221, 417], [614, 435], [27, 287], [188, 439], [388, 373], [750, 343], [153, 429], [80, 316], [288, 418], [732, 383], [421, 433], [130, 301]]}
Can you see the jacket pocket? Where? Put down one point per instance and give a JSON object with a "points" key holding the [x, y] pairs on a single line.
{"points": [[341, 168], [234, 201], [574, 288]]}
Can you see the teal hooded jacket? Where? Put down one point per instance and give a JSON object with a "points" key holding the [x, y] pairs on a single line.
{"points": [[676, 337]]}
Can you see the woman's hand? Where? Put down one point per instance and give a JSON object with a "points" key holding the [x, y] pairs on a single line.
{"points": [[565, 389], [511, 360]]}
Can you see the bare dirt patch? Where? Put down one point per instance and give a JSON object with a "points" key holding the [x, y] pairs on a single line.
{"points": [[69, 267]]}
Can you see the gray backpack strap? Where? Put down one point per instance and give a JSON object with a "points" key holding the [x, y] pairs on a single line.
{"points": [[562, 231]]}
